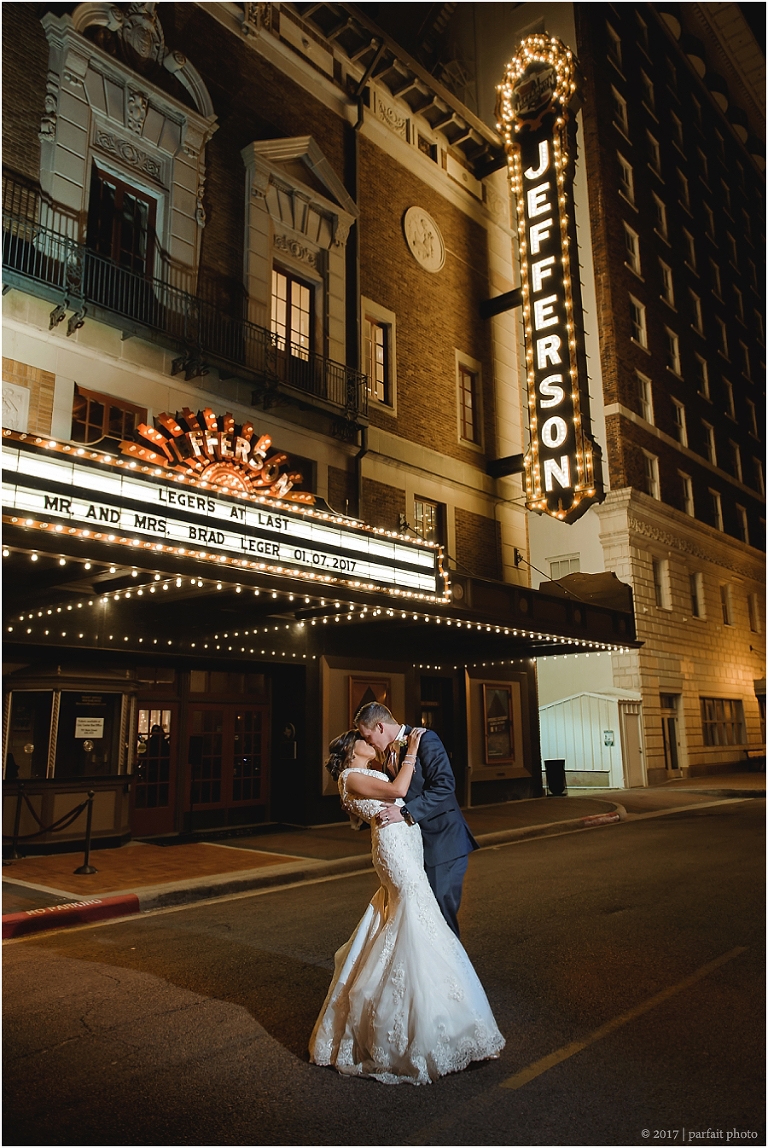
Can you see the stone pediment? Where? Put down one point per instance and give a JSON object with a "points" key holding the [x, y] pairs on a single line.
{"points": [[300, 161]]}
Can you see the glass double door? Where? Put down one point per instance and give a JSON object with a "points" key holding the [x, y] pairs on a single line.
{"points": [[227, 761]]}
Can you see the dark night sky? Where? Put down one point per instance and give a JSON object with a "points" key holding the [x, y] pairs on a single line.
{"points": [[754, 14]]}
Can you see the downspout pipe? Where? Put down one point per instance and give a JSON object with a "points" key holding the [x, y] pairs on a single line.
{"points": [[355, 341]]}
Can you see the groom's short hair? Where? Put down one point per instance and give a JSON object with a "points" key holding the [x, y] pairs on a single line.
{"points": [[372, 713]]}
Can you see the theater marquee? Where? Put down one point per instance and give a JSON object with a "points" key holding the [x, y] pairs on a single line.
{"points": [[221, 498], [536, 109]]}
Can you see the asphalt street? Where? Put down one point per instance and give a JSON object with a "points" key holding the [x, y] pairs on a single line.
{"points": [[625, 966]]}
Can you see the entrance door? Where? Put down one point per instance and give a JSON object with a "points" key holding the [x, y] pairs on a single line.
{"points": [[670, 732], [632, 745], [228, 768], [154, 790]]}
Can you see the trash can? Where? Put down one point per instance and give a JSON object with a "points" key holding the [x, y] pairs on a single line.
{"points": [[555, 771]]}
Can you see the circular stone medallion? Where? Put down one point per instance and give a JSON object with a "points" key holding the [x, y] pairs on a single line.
{"points": [[424, 239]]}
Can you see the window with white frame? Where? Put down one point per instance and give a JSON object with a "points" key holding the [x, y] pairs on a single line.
{"points": [[667, 283], [379, 354], [673, 352], [292, 314], [757, 467], [735, 460], [626, 179], [738, 299], [702, 375], [753, 606], [746, 364], [759, 326], [703, 165], [661, 583], [690, 249], [429, 519], [730, 408], [698, 318], [642, 32], [696, 585], [717, 509], [649, 96], [709, 221], [688, 501], [654, 153], [644, 396], [752, 269], [726, 603], [717, 283], [710, 446], [563, 565], [685, 192], [723, 336], [722, 721], [620, 118], [660, 216], [742, 521], [677, 131], [469, 400], [752, 417], [614, 45], [733, 250], [652, 484], [632, 249], [637, 322], [681, 428]]}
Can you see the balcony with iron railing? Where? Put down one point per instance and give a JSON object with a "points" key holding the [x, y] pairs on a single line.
{"points": [[43, 255]]}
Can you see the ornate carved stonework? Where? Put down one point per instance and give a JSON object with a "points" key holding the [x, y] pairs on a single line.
{"points": [[47, 133], [141, 37], [424, 239], [392, 118], [296, 249], [136, 111], [685, 546], [256, 16], [129, 153]]}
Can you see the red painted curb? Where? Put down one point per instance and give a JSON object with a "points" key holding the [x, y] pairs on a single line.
{"points": [[600, 819], [73, 913]]}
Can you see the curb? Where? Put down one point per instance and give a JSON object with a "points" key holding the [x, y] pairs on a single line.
{"points": [[73, 913], [145, 900]]}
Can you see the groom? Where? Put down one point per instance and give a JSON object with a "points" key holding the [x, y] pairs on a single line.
{"points": [[430, 801]]}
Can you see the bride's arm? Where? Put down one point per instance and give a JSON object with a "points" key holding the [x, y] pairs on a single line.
{"points": [[363, 785]]}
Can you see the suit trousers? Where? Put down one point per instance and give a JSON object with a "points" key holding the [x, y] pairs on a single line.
{"points": [[447, 881]]}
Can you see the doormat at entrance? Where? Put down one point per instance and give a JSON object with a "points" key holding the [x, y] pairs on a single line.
{"points": [[135, 865]]}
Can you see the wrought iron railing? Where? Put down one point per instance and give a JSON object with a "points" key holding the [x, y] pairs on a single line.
{"points": [[53, 261]]}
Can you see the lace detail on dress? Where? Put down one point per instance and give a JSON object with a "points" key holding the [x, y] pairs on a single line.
{"points": [[405, 1004]]}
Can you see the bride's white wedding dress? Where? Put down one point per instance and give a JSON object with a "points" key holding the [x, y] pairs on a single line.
{"points": [[405, 1004]]}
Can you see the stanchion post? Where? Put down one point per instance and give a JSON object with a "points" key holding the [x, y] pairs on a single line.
{"points": [[85, 867], [15, 855]]}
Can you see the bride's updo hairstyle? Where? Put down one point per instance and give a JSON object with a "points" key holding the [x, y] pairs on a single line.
{"points": [[341, 751]]}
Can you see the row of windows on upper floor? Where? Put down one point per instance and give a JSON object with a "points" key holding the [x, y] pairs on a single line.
{"points": [[708, 447], [737, 256], [668, 294], [656, 67], [694, 601], [638, 321], [652, 485]]}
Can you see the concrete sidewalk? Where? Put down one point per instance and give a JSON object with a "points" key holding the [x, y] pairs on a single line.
{"points": [[44, 892]]}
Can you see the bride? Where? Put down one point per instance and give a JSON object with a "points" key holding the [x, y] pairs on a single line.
{"points": [[405, 1004]]}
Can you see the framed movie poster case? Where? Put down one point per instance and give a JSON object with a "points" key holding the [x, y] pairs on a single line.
{"points": [[497, 723], [364, 690]]}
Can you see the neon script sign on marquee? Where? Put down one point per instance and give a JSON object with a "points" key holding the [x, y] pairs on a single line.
{"points": [[218, 452], [536, 109]]}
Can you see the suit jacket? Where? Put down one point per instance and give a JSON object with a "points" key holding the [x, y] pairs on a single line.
{"points": [[431, 801]]}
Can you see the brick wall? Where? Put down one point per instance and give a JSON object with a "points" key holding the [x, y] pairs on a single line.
{"points": [[24, 74], [478, 544], [436, 313], [382, 504], [342, 490], [40, 385]]}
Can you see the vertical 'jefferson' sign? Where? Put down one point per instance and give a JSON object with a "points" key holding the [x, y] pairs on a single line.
{"points": [[536, 109]]}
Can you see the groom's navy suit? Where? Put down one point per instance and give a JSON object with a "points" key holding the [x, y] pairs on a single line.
{"points": [[431, 801]]}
